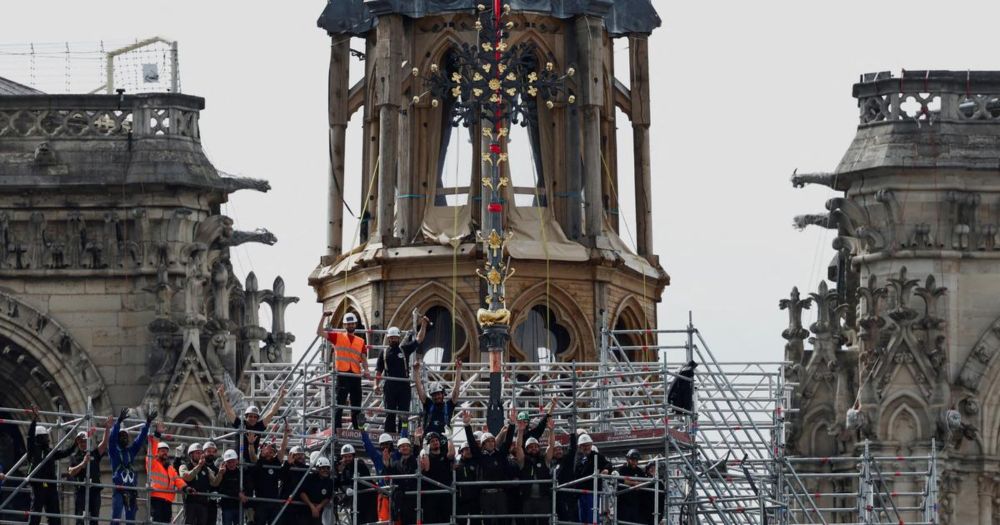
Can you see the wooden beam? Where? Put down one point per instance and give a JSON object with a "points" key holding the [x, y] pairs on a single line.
{"points": [[339, 115], [389, 56], [639, 82]]}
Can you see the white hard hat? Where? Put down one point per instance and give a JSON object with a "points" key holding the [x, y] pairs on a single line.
{"points": [[229, 454], [584, 439], [350, 318], [163, 444], [252, 409], [347, 449], [322, 461], [194, 447], [595, 448], [384, 438], [477, 434], [580, 431], [41, 430], [392, 332], [81, 435], [531, 441], [296, 450], [463, 446], [402, 441], [208, 445], [484, 436], [437, 387]]}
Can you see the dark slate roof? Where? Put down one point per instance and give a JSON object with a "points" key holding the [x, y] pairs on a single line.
{"points": [[9, 87], [621, 17]]}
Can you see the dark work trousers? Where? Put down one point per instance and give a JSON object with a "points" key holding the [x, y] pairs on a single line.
{"points": [[493, 502], [264, 513], [542, 505], [566, 507], [465, 508], [397, 397], [44, 498], [196, 512], [348, 386], [80, 504], [160, 510]]}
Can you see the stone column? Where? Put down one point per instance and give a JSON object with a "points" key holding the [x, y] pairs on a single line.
{"points": [[590, 39], [639, 88], [388, 62], [986, 484], [338, 90]]}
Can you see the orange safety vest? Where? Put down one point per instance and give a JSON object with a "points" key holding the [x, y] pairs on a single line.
{"points": [[350, 352], [162, 480]]}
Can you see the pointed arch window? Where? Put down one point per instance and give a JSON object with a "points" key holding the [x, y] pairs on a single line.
{"points": [[455, 151], [540, 337], [445, 337], [525, 153]]}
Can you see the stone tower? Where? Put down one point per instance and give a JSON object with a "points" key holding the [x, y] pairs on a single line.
{"points": [[419, 246], [904, 348], [115, 280]]}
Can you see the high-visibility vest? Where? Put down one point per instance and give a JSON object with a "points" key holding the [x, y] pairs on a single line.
{"points": [[163, 480], [349, 351]]}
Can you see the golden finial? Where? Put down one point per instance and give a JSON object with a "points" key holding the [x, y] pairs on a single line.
{"points": [[416, 99], [481, 7], [570, 72], [456, 77], [434, 68], [456, 91], [549, 104], [510, 25], [533, 91], [435, 103], [494, 84], [532, 77], [477, 92], [415, 71], [549, 66], [487, 46], [572, 99], [479, 25]]}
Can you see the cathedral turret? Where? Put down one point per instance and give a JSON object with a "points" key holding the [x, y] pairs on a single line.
{"points": [[423, 221]]}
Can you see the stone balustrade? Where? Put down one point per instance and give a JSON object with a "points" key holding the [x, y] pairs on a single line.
{"points": [[957, 96], [95, 116]]}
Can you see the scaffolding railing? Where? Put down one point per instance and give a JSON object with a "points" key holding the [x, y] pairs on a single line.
{"points": [[719, 460]]}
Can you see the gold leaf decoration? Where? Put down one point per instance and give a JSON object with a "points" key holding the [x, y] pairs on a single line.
{"points": [[533, 91], [511, 92], [495, 84], [477, 92]]}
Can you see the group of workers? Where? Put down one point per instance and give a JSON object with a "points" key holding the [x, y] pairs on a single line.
{"points": [[478, 478]]}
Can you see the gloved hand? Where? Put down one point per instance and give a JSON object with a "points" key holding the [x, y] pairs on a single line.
{"points": [[151, 416], [122, 416]]}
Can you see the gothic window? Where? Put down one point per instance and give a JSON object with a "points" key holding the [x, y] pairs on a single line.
{"points": [[626, 342], [525, 153], [540, 337], [441, 343], [455, 151]]}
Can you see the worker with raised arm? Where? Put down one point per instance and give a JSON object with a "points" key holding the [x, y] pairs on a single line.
{"points": [[493, 465], [122, 455], [437, 411], [350, 361], [535, 466], [198, 476], [394, 364], [44, 493], [265, 478], [404, 490], [381, 458], [227, 482], [438, 467], [586, 458], [251, 420], [164, 481], [78, 472], [292, 471]]}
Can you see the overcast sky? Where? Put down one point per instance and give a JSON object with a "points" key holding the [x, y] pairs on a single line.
{"points": [[744, 92]]}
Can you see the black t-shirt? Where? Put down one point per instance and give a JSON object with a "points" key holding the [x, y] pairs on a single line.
{"points": [[394, 361], [230, 487], [467, 471], [265, 477], [440, 468], [201, 483], [291, 474], [259, 428], [535, 468], [95, 466], [437, 417], [317, 488]]}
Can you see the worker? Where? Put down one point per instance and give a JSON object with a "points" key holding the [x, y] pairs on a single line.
{"points": [[493, 465], [251, 420], [437, 467], [122, 455], [227, 482], [437, 411], [211, 455], [350, 357], [164, 481], [317, 491], [393, 363], [534, 466], [293, 472], [264, 479], [629, 497], [586, 458], [404, 490], [567, 508], [466, 471], [42, 460], [345, 479], [381, 458], [198, 476], [680, 395], [541, 426], [86, 464]]}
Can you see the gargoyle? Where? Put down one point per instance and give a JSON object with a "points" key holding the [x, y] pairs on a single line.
{"points": [[260, 235], [231, 184]]}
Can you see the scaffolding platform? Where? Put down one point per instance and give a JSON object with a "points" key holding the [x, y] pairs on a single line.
{"points": [[721, 462]]}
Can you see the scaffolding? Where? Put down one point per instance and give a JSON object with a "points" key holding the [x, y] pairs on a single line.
{"points": [[723, 461]]}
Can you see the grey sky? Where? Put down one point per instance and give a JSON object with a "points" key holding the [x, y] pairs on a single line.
{"points": [[744, 92]]}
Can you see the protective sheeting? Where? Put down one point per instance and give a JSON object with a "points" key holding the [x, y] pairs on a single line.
{"points": [[446, 225], [537, 235], [615, 247]]}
